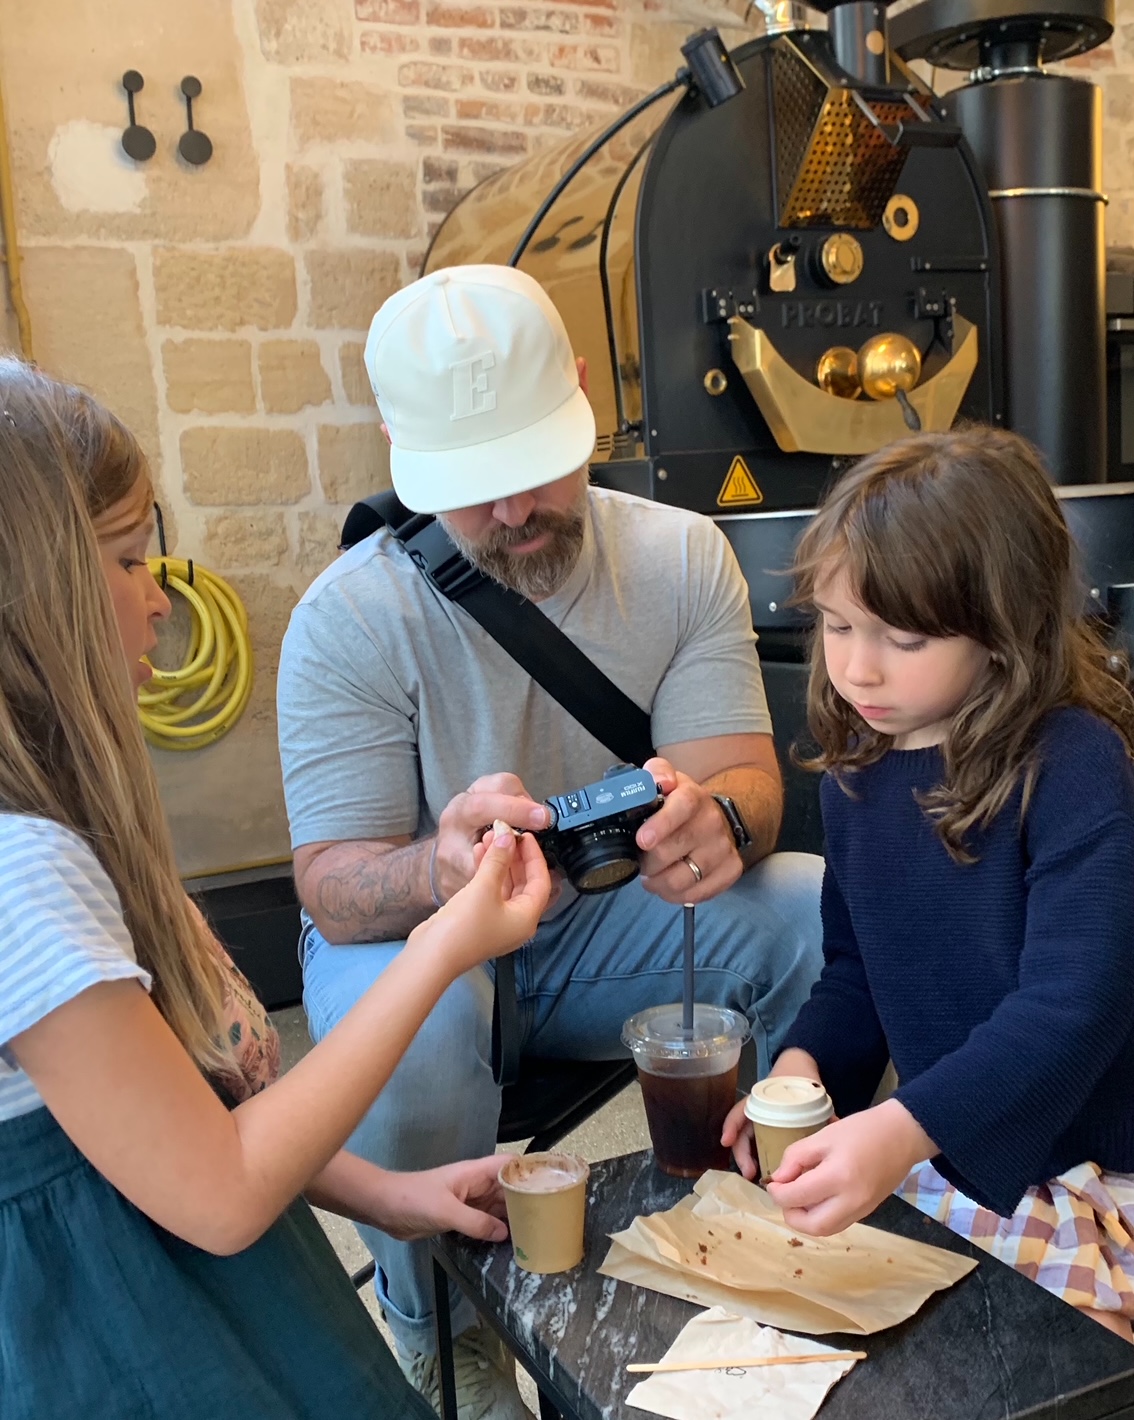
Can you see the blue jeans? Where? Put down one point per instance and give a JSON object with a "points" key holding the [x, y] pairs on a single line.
{"points": [[603, 958]]}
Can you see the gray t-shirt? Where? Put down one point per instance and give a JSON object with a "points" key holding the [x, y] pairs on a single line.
{"points": [[392, 700]]}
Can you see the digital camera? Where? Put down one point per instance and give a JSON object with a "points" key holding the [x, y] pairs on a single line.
{"points": [[591, 835]]}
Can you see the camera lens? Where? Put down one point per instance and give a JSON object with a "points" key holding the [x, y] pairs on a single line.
{"points": [[598, 859]]}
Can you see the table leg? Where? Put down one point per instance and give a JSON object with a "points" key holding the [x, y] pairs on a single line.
{"points": [[443, 1323]]}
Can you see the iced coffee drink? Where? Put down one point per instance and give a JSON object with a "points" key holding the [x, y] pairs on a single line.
{"points": [[688, 1080]]}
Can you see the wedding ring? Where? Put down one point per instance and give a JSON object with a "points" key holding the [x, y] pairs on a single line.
{"points": [[693, 868]]}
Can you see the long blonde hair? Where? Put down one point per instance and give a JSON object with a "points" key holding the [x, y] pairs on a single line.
{"points": [[71, 748], [960, 534]]}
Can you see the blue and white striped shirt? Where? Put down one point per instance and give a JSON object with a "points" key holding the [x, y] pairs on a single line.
{"points": [[61, 932]]}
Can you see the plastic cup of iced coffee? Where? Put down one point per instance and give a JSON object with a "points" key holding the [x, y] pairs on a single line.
{"points": [[546, 1198], [784, 1109], [688, 1081]]}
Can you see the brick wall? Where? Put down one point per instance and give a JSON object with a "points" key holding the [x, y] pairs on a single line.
{"points": [[221, 310]]}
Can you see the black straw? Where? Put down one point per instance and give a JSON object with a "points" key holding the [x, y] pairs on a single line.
{"points": [[687, 994]]}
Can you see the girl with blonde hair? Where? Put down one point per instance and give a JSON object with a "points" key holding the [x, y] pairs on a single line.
{"points": [[978, 898], [157, 1256]]}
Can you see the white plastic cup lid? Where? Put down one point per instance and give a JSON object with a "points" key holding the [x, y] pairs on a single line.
{"points": [[788, 1101]]}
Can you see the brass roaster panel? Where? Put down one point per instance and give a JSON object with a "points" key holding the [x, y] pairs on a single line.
{"points": [[805, 419]]}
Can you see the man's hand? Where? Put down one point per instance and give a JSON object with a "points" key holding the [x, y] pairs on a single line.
{"points": [[464, 820], [466, 1197], [842, 1173], [688, 825]]}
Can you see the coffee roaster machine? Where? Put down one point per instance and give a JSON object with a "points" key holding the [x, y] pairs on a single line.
{"points": [[794, 253]]}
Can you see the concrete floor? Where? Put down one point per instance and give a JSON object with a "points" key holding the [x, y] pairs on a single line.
{"points": [[618, 1128]]}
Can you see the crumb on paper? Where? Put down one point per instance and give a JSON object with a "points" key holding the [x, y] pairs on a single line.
{"points": [[738, 1238], [889, 1259], [798, 1272], [794, 1242], [702, 1248]]}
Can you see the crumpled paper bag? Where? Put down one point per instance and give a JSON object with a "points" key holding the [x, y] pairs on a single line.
{"points": [[787, 1392], [727, 1245]]}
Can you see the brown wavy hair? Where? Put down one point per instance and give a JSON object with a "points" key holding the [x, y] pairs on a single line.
{"points": [[960, 534], [71, 747]]}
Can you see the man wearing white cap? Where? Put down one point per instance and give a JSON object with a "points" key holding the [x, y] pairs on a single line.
{"points": [[404, 728]]}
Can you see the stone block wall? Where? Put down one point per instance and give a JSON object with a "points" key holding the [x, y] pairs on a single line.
{"points": [[222, 310]]}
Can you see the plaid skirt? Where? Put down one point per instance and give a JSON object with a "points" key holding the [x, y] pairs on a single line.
{"points": [[1073, 1235]]}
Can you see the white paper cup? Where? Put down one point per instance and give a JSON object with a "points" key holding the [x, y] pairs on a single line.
{"points": [[784, 1109]]}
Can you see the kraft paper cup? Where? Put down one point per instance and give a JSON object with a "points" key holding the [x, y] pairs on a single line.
{"points": [[784, 1109], [546, 1197]]}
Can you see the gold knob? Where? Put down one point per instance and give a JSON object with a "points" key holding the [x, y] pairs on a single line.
{"points": [[841, 258], [888, 363], [837, 372], [901, 217], [715, 381]]}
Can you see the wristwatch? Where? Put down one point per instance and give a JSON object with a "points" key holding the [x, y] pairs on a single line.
{"points": [[741, 837]]}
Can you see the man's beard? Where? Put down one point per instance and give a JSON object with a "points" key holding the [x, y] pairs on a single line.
{"points": [[534, 575]]}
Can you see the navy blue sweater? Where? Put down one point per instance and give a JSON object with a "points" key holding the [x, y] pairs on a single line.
{"points": [[1002, 990]]}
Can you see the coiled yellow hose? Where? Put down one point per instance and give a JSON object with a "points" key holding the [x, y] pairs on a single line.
{"points": [[195, 705]]}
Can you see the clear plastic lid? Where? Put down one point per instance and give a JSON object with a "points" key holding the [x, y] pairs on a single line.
{"points": [[658, 1034], [790, 1101]]}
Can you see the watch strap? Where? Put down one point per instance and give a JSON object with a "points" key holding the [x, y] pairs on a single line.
{"points": [[741, 837]]}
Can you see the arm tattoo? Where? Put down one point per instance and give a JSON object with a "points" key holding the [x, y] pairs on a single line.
{"points": [[372, 893]]}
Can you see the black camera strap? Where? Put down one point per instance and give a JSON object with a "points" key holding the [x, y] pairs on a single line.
{"points": [[549, 656]]}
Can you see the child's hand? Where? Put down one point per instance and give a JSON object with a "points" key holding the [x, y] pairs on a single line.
{"points": [[465, 1196], [737, 1136], [500, 907], [842, 1173]]}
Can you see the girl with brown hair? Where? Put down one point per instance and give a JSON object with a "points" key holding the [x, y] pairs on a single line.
{"points": [[157, 1256], [978, 899]]}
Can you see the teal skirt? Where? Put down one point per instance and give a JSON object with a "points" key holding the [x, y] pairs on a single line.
{"points": [[106, 1316]]}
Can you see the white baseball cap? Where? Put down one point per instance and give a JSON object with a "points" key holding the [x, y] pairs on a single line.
{"points": [[476, 381]]}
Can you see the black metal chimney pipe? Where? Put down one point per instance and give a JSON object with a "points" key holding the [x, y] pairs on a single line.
{"points": [[1037, 138], [859, 34]]}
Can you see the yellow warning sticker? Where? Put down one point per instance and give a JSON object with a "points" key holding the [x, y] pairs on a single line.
{"points": [[740, 489]]}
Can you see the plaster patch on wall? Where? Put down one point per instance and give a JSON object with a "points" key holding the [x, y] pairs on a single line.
{"points": [[89, 170]]}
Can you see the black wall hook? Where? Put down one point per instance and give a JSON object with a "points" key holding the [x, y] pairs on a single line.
{"points": [[195, 147], [137, 142]]}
